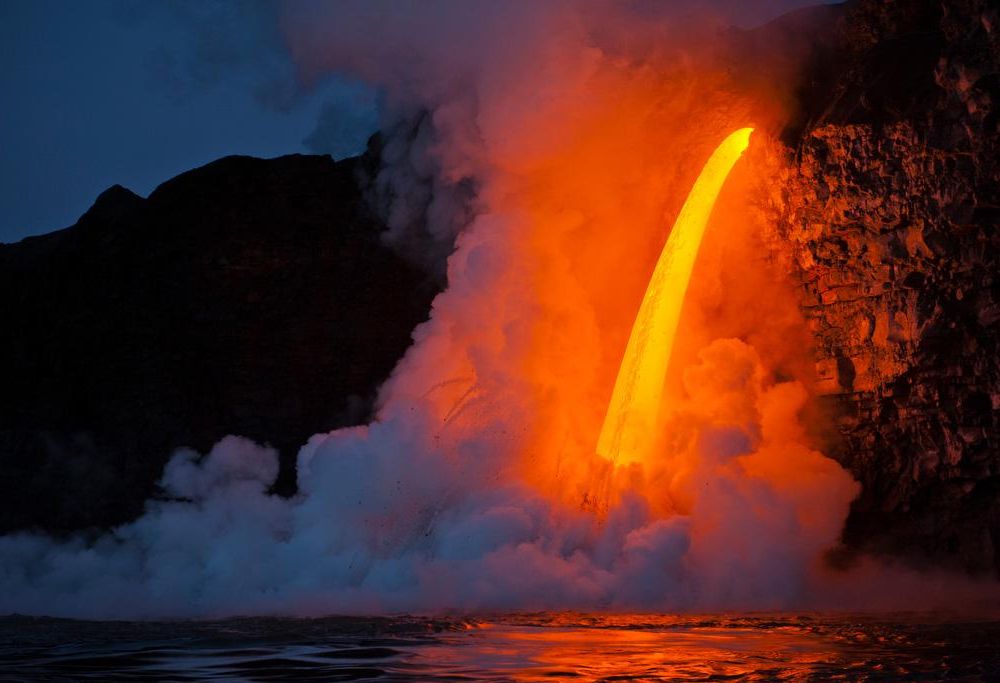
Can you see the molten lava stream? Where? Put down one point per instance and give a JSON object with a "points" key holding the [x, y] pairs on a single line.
{"points": [[629, 426]]}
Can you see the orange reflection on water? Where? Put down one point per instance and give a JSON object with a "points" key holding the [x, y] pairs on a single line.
{"points": [[640, 648]]}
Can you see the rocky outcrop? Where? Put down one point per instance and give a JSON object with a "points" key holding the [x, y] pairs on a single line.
{"points": [[249, 297], [892, 208]]}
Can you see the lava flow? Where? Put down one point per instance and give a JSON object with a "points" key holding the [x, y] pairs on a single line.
{"points": [[477, 486], [627, 432]]}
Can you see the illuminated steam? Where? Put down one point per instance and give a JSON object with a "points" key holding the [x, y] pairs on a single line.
{"points": [[553, 144]]}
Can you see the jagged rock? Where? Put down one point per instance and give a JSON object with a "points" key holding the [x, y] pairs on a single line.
{"points": [[247, 296], [891, 208]]}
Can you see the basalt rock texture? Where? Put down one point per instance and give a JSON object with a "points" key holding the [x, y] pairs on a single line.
{"points": [[246, 297], [892, 207]]}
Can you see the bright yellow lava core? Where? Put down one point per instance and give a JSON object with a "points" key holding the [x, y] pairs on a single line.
{"points": [[629, 426]]}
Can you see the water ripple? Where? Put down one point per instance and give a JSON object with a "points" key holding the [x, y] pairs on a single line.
{"points": [[518, 647]]}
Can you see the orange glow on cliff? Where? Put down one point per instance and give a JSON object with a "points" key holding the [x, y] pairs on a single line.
{"points": [[629, 426], [510, 380]]}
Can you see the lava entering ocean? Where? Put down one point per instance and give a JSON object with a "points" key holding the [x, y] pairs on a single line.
{"points": [[630, 424], [478, 486]]}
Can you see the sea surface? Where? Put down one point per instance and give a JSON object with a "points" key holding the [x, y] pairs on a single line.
{"points": [[521, 647]]}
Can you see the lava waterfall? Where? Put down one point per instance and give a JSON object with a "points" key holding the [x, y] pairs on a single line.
{"points": [[601, 411]]}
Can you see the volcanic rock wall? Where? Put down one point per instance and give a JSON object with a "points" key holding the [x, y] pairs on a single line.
{"points": [[892, 208]]}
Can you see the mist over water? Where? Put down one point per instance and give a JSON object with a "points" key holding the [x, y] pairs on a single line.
{"points": [[544, 148]]}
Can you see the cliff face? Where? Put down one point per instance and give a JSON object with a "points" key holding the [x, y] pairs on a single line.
{"points": [[891, 208], [246, 297]]}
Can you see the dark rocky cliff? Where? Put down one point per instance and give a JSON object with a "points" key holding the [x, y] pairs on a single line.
{"points": [[249, 297], [891, 207]]}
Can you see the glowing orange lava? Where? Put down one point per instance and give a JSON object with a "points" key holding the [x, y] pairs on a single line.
{"points": [[629, 425]]}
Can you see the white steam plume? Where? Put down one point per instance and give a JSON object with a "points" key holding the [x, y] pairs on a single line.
{"points": [[578, 125]]}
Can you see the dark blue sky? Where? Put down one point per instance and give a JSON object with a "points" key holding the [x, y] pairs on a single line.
{"points": [[98, 92]]}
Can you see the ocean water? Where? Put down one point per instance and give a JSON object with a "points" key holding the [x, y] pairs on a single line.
{"points": [[520, 647]]}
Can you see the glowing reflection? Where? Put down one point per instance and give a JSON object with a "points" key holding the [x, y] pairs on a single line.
{"points": [[637, 647]]}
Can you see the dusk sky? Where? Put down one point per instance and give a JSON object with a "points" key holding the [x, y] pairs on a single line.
{"points": [[111, 91], [121, 91]]}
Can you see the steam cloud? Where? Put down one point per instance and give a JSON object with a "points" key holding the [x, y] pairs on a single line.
{"points": [[534, 151]]}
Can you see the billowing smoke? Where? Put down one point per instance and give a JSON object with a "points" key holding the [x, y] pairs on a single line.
{"points": [[343, 122], [538, 152]]}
